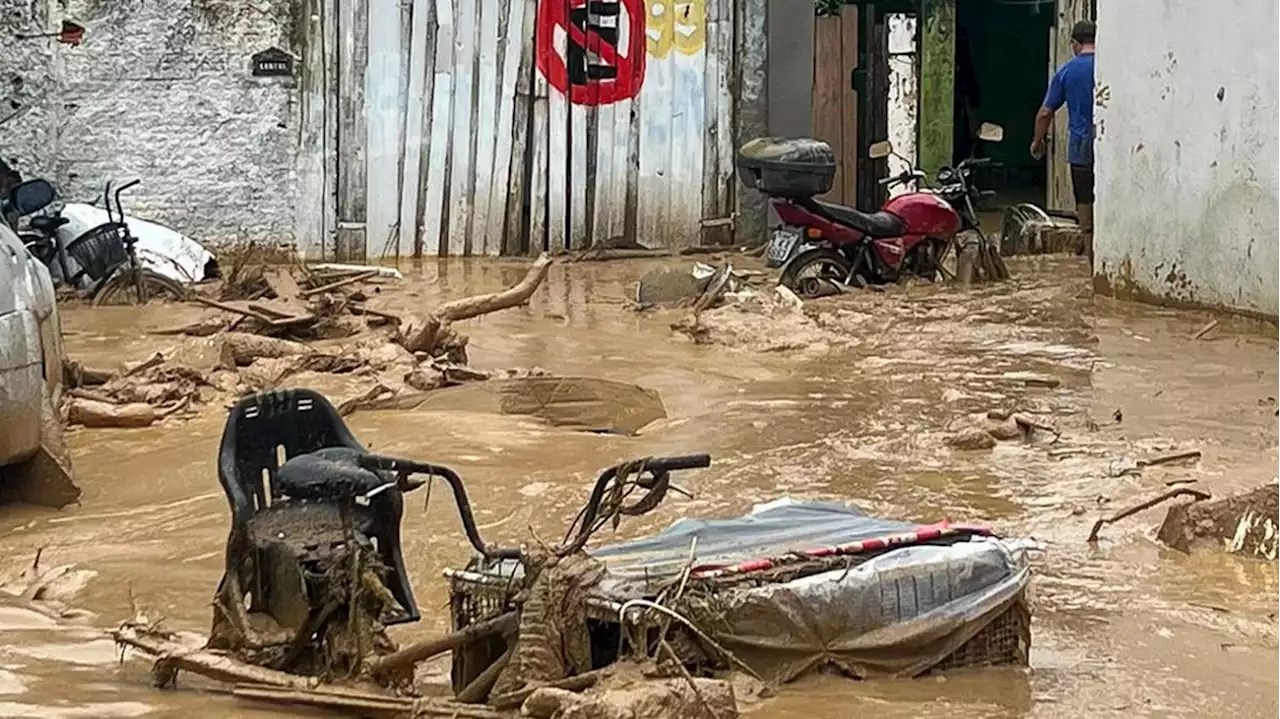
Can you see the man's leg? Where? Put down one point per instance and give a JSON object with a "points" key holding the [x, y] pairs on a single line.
{"points": [[1082, 187]]}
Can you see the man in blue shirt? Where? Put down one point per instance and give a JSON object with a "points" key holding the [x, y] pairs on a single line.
{"points": [[1073, 85]]}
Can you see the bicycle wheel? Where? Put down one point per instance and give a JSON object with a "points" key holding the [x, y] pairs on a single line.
{"points": [[121, 289]]}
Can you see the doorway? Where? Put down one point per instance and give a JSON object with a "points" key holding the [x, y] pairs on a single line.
{"points": [[1002, 50]]}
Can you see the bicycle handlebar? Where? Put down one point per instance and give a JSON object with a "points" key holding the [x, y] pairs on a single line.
{"points": [[675, 464], [658, 466]]}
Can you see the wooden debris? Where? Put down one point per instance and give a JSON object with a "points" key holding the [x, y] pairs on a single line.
{"points": [[240, 349], [433, 334], [235, 309], [173, 655], [424, 650], [576, 683], [1205, 330], [1169, 458], [1180, 491], [76, 374], [340, 283], [200, 328], [91, 413]]}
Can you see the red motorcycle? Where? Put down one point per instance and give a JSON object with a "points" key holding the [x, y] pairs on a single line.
{"points": [[820, 243]]}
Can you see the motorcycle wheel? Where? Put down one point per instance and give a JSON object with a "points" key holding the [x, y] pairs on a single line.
{"points": [[120, 289], [808, 274]]}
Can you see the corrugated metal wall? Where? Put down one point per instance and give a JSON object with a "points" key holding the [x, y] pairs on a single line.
{"points": [[484, 127]]}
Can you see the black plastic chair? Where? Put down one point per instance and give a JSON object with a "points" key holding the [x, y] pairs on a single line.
{"points": [[262, 432]]}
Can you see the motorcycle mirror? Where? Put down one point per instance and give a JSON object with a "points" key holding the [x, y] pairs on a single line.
{"points": [[880, 150], [31, 196], [990, 132]]}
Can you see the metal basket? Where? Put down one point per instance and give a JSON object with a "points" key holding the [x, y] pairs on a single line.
{"points": [[100, 251], [474, 597]]}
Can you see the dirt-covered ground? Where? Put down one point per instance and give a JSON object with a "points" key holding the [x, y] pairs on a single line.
{"points": [[857, 398]]}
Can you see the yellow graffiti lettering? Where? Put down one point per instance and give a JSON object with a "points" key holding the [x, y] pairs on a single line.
{"points": [[676, 24]]}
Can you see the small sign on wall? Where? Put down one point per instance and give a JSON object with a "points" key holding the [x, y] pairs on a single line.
{"points": [[273, 62]]}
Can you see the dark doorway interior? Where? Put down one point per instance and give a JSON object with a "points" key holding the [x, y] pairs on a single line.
{"points": [[1002, 64]]}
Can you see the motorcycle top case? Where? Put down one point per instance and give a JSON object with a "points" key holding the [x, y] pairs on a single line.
{"points": [[799, 167]]}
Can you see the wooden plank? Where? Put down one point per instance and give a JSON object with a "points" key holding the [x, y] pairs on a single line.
{"points": [[382, 90], [602, 200], [413, 127], [726, 72], [504, 157], [580, 146], [461, 153], [558, 159], [829, 82], [539, 195], [424, 161], [486, 125], [310, 217], [631, 222], [850, 148], [688, 133], [433, 241], [711, 123], [329, 30], [654, 180], [515, 231], [352, 19]]}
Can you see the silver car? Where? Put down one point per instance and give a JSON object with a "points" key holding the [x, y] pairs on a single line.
{"points": [[33, 462]]}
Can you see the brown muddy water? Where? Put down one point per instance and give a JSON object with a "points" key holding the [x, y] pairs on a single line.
{"points": [[853, 406]]}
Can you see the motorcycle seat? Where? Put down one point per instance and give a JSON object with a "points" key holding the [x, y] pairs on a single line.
{"points": [[326, 474], [875, 224], [46, 224]]}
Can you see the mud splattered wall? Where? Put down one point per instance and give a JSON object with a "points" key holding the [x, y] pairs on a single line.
{"points": [[162, 90], [1186, 152], [549, 124], [28, 90]]}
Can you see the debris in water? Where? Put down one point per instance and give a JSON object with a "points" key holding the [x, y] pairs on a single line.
{"points": [[1171, 494]]}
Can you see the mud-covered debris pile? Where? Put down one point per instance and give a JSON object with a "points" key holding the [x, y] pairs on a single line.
{"points": [[1243, 524], [136, 395], [763, 321]]}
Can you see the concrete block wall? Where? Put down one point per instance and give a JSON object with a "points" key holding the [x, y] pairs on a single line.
{"points": [[1187, 143], [162, 90]]}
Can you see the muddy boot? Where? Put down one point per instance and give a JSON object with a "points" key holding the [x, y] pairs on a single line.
{"points": [[1085, 214]]}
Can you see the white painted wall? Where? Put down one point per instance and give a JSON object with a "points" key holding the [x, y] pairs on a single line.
{"points": [[1187, 150]]}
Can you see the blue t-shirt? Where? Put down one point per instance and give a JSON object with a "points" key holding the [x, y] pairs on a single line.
{"points": [[1073, 84]]}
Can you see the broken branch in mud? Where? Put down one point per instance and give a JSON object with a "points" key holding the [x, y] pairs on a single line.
{"points": [[432, 333], [1171, 494], [424, 650]]}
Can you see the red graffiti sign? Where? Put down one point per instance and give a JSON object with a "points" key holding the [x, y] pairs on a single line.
{"points": [[594, 68]]}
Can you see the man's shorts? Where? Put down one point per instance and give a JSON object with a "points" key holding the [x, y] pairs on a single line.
{"points": [[1082, 184]]}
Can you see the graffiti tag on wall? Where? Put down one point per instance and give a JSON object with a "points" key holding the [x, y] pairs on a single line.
{"points": [[603, 61], [676, 24]]}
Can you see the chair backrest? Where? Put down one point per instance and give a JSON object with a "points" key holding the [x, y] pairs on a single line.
{"points": [[262, 432]]}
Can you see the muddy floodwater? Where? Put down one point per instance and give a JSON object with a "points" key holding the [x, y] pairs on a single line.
{"points": [[852, 405]]}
